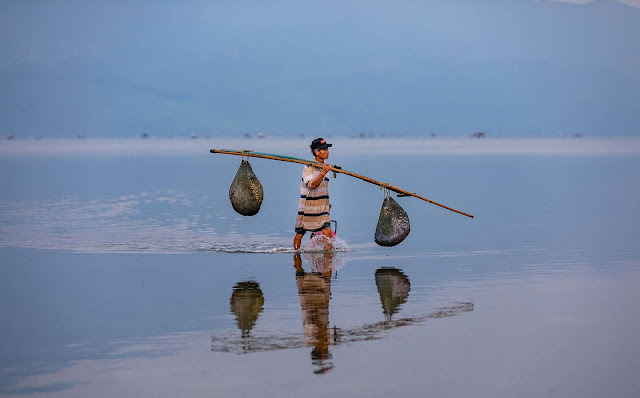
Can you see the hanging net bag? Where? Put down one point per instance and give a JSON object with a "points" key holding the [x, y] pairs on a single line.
{"points": [[393, 223], [246, 192]]}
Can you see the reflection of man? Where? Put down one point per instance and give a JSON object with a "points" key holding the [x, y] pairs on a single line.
{"points": [[314, 290]]}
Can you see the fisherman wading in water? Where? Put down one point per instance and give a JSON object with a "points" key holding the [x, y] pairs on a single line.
{"points": [[313, 209]]}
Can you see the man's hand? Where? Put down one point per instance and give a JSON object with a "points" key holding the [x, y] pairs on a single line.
{"points": [[326, 168]]}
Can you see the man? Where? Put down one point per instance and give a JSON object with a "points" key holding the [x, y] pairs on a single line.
{"points": [[313, 209]]}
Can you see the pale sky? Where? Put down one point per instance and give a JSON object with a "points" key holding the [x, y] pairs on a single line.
{"points": [[455, 67], [632, 3]]}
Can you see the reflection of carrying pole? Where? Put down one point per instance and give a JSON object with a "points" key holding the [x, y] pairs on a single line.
{"points": [[335, 169]]}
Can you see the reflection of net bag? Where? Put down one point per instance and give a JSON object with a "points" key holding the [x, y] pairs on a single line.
{"points": [[393, 224], [246, 192], [393, 286], [247, 302]]}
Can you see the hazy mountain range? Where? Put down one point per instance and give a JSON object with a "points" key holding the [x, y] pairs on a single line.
{"points": [[453, 67]]}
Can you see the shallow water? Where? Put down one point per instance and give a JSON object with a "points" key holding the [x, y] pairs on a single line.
{"points": [[131, 274]]}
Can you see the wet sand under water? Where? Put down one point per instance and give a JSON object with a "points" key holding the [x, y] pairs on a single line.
{"points": [[168, 325]]}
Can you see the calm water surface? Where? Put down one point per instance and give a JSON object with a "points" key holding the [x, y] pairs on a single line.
{"points": [[131, 274]]}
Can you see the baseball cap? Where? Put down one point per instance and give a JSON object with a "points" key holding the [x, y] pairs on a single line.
{"points": [[319, 143]]}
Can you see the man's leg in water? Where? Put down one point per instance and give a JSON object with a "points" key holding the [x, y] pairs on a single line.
{"points": [[297, 240], [329, 234]]}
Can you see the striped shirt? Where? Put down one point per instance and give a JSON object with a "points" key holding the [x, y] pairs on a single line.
{"points": [[313, 208]]}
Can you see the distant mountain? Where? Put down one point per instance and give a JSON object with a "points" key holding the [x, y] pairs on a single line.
{"points": [[505, 67]]}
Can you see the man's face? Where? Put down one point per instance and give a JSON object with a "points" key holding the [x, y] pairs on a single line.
{"points": [[322, 153]]}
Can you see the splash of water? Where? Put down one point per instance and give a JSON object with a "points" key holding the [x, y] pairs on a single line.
{"points": [[317, 243]]}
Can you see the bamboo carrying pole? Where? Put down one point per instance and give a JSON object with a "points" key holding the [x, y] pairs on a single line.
{"points": [[335, 169]]}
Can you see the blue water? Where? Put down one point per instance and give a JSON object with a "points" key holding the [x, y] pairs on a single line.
{"points": [[118, 273]]}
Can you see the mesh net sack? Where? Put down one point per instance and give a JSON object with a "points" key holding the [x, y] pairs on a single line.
{"points": [[246, 192]]}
